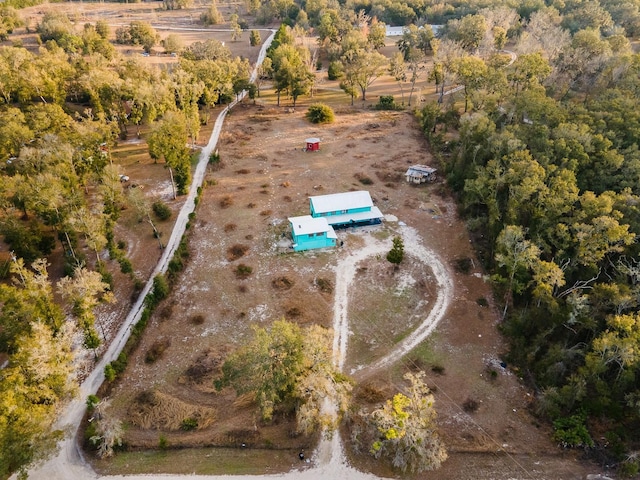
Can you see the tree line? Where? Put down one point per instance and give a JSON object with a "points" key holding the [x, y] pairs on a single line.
{"points": [[546, 168], [62, 110]]}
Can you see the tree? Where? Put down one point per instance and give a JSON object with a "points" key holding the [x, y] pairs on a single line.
{"points": [[137, 33], [286, 367], [414, 45], [469, 31], [108, 430], [471, 72], [38, 378], [84, 292], [9, 19], [254, 38], [268, 367], [398, 70], [396, 254], [212, 15], [361, 69], [168, 140], [406, 428], [515, 254], [290, 71], [28, 299], [236, 30], [173, 43]]}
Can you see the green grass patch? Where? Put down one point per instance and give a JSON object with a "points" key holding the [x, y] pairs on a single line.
{"points": [[201, 461]]}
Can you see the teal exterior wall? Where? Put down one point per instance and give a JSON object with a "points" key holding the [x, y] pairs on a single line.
{"points": [[308, 242]]}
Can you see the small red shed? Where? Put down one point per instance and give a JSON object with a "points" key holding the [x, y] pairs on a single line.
{"points": [[313, 144]]}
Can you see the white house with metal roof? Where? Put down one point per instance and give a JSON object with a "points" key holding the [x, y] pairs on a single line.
{"points": [[346, 209]]}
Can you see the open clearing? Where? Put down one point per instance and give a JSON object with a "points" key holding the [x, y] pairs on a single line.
{"points": [[265, 176]]}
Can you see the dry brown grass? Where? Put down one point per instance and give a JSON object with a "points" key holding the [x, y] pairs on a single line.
{"points": [[157, 349], [160, 411], [230, 227], [243, 171], [282, 283], [237, 251], [226, 201], [266, 213], [324, 285]]}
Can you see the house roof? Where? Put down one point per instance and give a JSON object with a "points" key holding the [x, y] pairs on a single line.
{"points": [[356, 217], [306, 224], [341, 201]]}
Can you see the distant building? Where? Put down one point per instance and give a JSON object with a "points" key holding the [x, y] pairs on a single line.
{"points": [[399, 31], [346, 209], [420, 174], [308, 233]]}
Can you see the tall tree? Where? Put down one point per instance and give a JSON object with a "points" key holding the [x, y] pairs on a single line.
{"points": [[406, 428]]}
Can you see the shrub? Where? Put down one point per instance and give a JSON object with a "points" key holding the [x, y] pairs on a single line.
{"points": [[463, 264], [125, 265], [470, 405], [363, 179], [189, 424], [396, 254], [243, 271], [282, 283], [572, 432], [387, 102], [236, 251], [120, 363], [197, 319], [159, 292], [163, 443], [254, 38], [335, 70], [230, 227], [92, 402], [226, 201], [109, 373], [324, 285], [157, 350], [161, 210], [320, 113]]}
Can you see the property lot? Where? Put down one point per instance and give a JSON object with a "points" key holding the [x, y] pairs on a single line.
{"points": [[263, 177]]}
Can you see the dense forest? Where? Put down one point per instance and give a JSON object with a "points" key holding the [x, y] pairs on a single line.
{"points": [[545, 164], [540, 146]]}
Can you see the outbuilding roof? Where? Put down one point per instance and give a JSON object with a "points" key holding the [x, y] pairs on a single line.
{"points": [[312, 140], [420, 170], [341, 201], [306, 224]]}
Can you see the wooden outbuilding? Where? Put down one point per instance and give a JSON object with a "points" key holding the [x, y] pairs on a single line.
{"points": [[421, 174], [313, 144]]}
